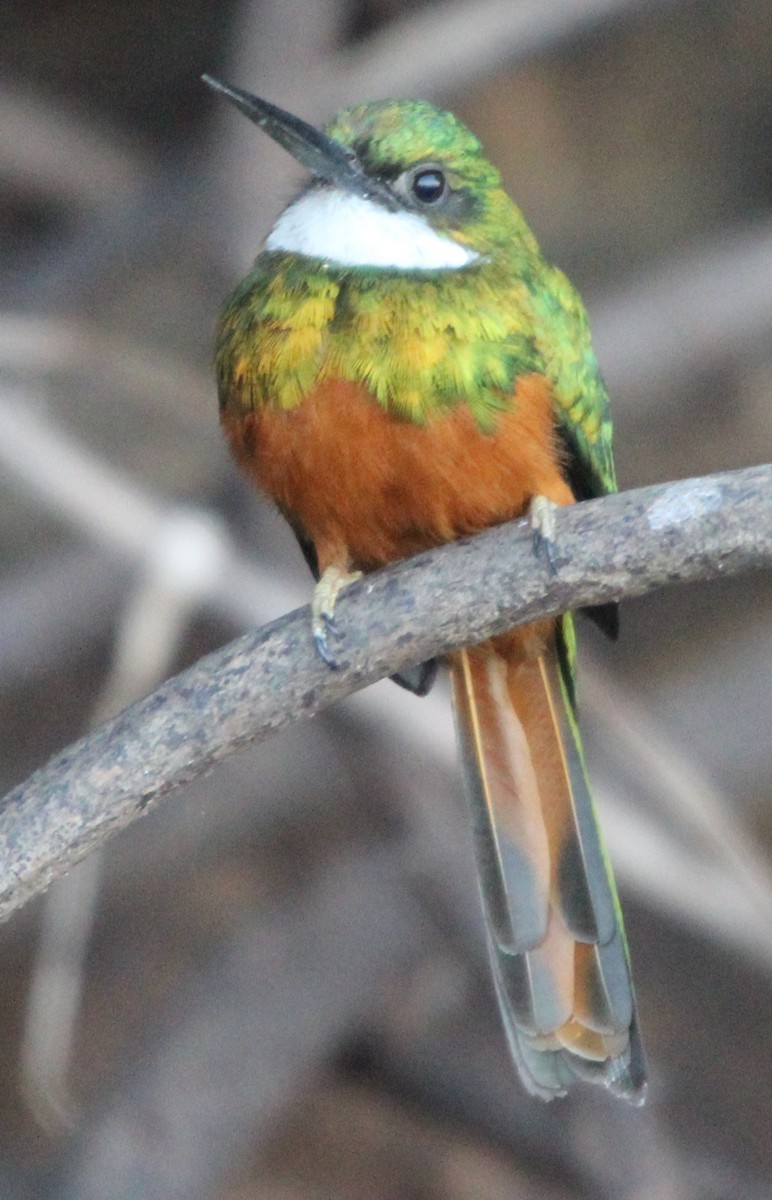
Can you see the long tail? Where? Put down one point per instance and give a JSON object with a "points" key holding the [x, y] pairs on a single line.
{"points": [[557, 942]]}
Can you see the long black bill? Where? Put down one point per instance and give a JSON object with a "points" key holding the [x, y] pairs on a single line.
{"points": [[321, 154]]}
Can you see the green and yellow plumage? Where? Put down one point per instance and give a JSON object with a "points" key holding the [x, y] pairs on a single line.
{"points": [[423, 341]]}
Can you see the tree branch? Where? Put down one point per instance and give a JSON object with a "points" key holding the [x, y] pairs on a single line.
{"points": [[622, 545]]}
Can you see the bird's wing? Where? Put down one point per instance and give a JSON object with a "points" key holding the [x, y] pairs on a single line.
{"points": [[581, 399]]}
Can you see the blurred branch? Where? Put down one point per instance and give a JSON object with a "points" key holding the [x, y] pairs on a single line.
{"points": [[247, 1032], [119, 515], [700, 812], [432, 49], [283, 43], [51, 609], [31, 345], [61, 153], [699, 309], [446, 46], [627, 544]]}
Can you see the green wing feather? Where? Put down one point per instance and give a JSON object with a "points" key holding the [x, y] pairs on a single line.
{"points": [[584, 417]]}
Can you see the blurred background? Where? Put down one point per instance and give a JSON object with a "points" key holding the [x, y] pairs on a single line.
{"points": [[275, 986]]}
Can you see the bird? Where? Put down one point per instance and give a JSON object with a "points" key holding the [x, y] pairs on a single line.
{"points": [[401, 368]]}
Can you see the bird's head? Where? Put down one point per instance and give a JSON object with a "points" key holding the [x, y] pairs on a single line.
{"points": [[396, 185]]}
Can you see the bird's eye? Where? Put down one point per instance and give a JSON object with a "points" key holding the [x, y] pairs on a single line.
{"points": [[428, 185]]}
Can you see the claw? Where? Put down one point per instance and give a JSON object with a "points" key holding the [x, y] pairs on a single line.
{"points": [[323, 650], [330, 624], [323, 602], [542, 517]]}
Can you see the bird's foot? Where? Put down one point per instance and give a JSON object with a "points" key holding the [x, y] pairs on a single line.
{"points": [[542, 517], [332, 582]]}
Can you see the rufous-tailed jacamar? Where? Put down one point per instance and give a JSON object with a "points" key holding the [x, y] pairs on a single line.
{"points": [[400, 368]]}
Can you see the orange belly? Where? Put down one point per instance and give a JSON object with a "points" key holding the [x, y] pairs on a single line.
{"points": [[368, 488]]}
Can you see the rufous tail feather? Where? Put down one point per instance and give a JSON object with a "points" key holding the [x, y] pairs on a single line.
{"points": [[557, 944]]}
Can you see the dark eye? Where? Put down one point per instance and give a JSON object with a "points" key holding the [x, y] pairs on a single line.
{"points": [[428, 185]]}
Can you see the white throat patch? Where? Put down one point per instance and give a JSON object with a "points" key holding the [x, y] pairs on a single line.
{"points": [[331, 224]]}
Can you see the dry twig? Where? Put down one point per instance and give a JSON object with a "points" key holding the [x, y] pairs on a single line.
{"points": [[620, 546]]}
